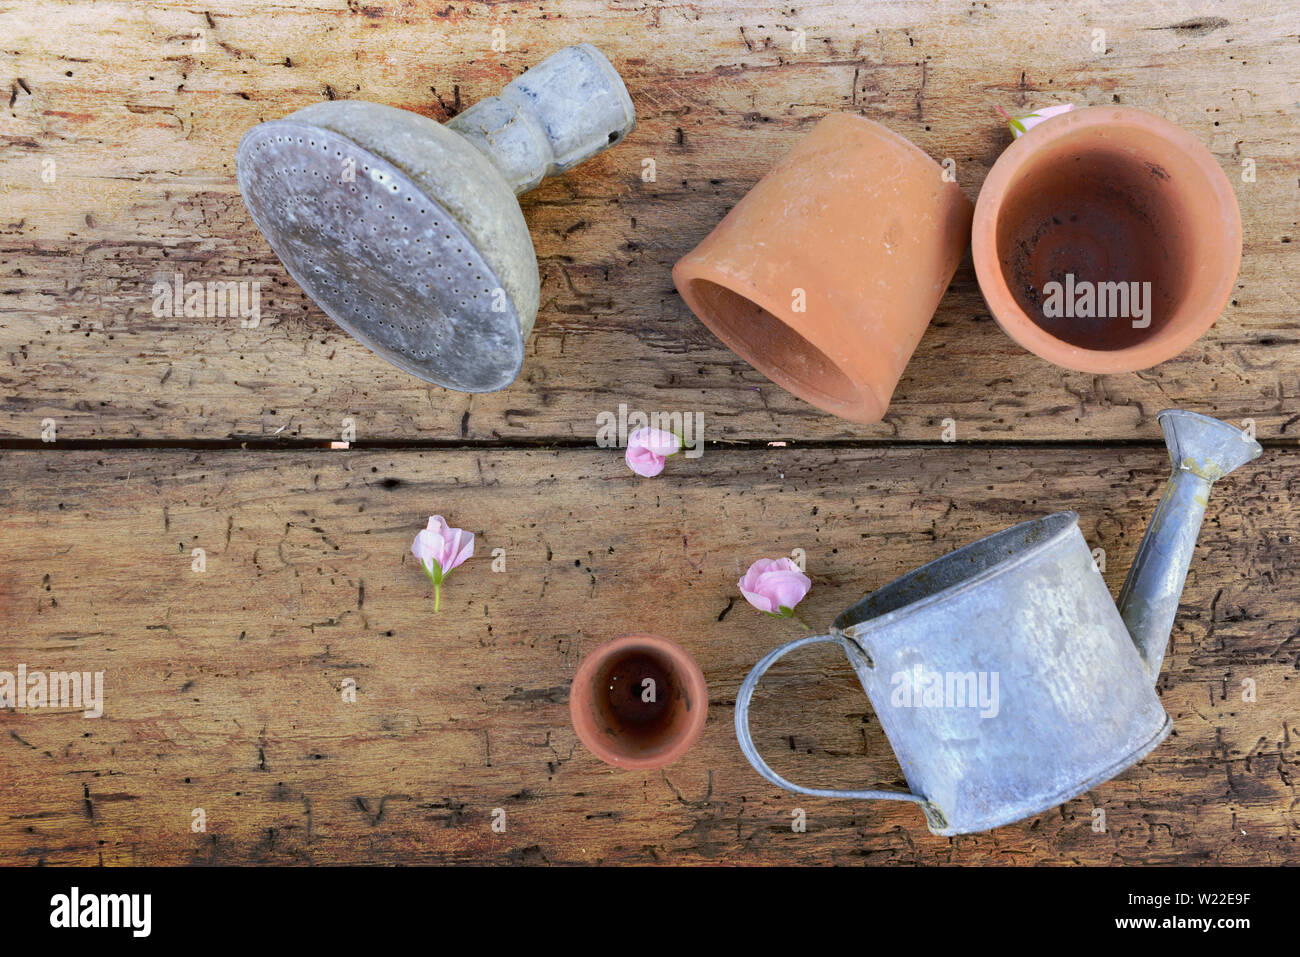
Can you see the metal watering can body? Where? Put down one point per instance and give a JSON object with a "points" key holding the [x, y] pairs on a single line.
{"points": [[1003, 674]]}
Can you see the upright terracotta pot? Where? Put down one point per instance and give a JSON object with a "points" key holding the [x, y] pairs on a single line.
{"points": [[638, 701], [1110, 197], [825, 275]]}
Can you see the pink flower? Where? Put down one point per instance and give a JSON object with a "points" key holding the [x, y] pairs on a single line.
{"points": [[648, 448], [1020, 125], [439, 549], [775, 586]]}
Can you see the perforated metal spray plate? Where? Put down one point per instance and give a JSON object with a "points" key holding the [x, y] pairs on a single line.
{"points": [[381, 257]]}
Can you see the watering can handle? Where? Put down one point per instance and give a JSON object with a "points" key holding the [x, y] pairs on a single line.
{"points": [[751, 752]]}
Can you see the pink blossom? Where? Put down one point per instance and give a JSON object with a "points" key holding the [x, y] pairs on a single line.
{"points": [[775, 586], [647, 449], [439, 549]]}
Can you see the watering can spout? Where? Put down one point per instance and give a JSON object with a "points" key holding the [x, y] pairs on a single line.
{"points": [[1202, 450]]}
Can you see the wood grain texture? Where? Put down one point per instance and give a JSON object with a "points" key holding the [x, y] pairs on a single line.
{"points": [[223, 687], [141, 128]]}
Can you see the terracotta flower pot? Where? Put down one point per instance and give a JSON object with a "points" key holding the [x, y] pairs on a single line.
{"points": [[1106, 195], [826, 273], [617, 717]]}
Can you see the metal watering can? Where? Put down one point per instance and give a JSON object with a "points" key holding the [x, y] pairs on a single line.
{"points": [[1005, 678]]}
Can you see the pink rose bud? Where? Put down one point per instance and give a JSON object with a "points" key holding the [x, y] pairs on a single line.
{"points": [[439, 549], [1020, 125], [775, 586], [648, 448]]}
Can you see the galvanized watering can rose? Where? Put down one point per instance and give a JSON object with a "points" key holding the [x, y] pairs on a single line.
{"points": [[407, 232], [1023, 614]]}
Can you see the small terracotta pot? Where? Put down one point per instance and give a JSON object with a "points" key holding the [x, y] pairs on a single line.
{"points": [[610, 715], [1106, 195], [865, 225]]}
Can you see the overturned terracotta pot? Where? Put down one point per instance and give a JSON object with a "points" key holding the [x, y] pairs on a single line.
{"points": [[825, 275], [1106, 240], [638, 701]]}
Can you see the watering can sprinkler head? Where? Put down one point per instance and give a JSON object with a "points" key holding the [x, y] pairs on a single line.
{"points": [[1202, 450], [407, 232]]}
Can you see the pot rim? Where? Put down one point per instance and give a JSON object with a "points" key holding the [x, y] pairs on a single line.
{"points": [[1002, 304], [865, 407], [1068, 521], [692, 679]]}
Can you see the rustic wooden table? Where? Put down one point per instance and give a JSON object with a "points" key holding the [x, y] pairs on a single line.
{"points": [[175, 434]]}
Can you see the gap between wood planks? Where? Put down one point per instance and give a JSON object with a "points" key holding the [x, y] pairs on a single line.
{"points": [[507, 445]]}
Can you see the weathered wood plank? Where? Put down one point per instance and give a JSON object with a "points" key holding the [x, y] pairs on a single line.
{"points": [[223, 687], [142, 129]]}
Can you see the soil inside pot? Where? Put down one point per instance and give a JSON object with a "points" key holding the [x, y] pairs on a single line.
{"points": [[1099, 223], [634, 719]]}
